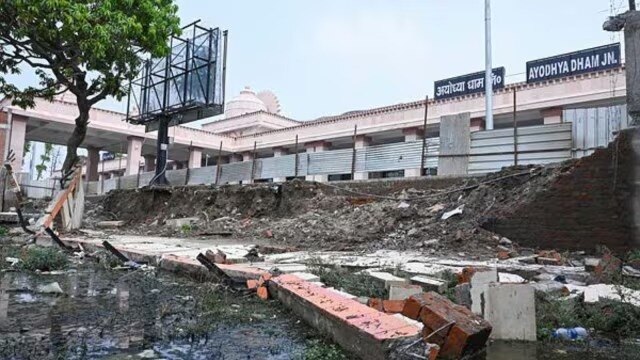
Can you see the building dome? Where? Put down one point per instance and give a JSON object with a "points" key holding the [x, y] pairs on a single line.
{"points": [[246, 102]]}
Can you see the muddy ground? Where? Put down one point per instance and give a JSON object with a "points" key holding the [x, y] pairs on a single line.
{"points": [[334, 217]]}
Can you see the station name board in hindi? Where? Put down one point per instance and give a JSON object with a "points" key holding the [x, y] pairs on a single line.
{"points": [[583, 61], [467, 84]]}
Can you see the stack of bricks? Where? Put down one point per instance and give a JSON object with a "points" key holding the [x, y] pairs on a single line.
{"points": [[454, 328]]}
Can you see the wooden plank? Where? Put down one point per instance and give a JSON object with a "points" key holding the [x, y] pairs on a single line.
{"points": [[455, 144], [76, 221]]}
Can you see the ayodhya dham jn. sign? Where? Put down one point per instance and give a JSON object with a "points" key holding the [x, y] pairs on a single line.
{"points": [[578, 62], [467, 84]]}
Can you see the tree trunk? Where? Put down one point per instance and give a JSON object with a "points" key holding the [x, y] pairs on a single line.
{"points": [[75, 140]]}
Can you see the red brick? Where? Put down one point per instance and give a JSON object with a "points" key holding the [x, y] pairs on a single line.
{"points": [[468, 334], [376, 304], [252, 284], [608, 267], [466, 275], [393, 306], [263, 293], [412, 308], [503, 255]]}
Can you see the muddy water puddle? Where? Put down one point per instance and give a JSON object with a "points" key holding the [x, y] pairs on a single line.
{"points": [[116, 315]]}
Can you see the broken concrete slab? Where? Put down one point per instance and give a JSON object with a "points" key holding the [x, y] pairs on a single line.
{"points": [[387, 279], [110, 224], [597, 292], [180, 222], [510, 308], [462, 293], [548, 287], [361, 330], [478, 283], [510, 278], [403, 291], [430, 284]]}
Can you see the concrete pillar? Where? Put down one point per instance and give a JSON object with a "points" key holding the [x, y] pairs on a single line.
{"points": [[317, 146], [149, 163], [552, 115], [477, 124], [412, 134], [18, 131], [93, 159], [277, 152], [247, 156], [362, 142], [195, 157], [134, 154]]}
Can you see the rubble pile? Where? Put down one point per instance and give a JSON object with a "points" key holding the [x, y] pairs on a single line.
{"points": [[326, 216]]}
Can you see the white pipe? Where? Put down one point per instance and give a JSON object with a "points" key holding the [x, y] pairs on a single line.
{"points": [[488, 79]]}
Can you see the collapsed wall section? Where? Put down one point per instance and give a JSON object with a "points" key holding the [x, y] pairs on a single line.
{"points": [[590, 203]]}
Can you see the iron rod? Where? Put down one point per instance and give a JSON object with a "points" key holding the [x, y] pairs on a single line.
{"points": [[515, 130], [219, 163], [253, 161], [353, 155], [295, 171], [424, 135]]}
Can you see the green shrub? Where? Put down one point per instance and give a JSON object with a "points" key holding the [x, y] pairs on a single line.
{"points": [[319, 350], [43, 259]]}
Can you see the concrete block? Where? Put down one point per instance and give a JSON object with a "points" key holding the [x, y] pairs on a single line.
{"points": [[462, 294], [478, 283], [110, 224], [307, 276], [178, 223], [510, 308], [430, 284], [363, 331], [590, 264], [467, 333], [387, 279], [404, 291]]}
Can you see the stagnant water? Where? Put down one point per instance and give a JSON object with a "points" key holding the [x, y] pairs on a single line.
{"points": [[118, 315], [111, 315]]}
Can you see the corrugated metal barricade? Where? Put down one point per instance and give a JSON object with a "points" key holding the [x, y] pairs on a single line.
{"points": [[203, 175], [595, 127], [274, 167], [235, 172], [493, 149]]}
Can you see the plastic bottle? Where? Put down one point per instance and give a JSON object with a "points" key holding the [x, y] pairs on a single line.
{"points": [[576, 333]]}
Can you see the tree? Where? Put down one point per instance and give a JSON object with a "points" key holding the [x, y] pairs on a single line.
{"points": [[88, 47]]}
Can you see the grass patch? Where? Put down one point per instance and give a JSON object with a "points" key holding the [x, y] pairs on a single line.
{"points": [[232, 308], [43, 259], [610, 318], [321, 350], [346, 280]]}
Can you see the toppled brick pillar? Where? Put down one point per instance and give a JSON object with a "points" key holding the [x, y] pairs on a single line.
{"points": [[363, 331], [457, 330]]}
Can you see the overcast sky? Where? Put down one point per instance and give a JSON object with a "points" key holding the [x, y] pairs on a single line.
{"points": [[332, 56]]}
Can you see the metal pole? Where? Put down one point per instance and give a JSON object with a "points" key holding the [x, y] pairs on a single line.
{"points": [[353, 155], [488, 78], [295, 171], [219, 164], [225, 35], [424, 135], [515, 130], [186, 178], [102, 179], [253, 160], [632, 5]]}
